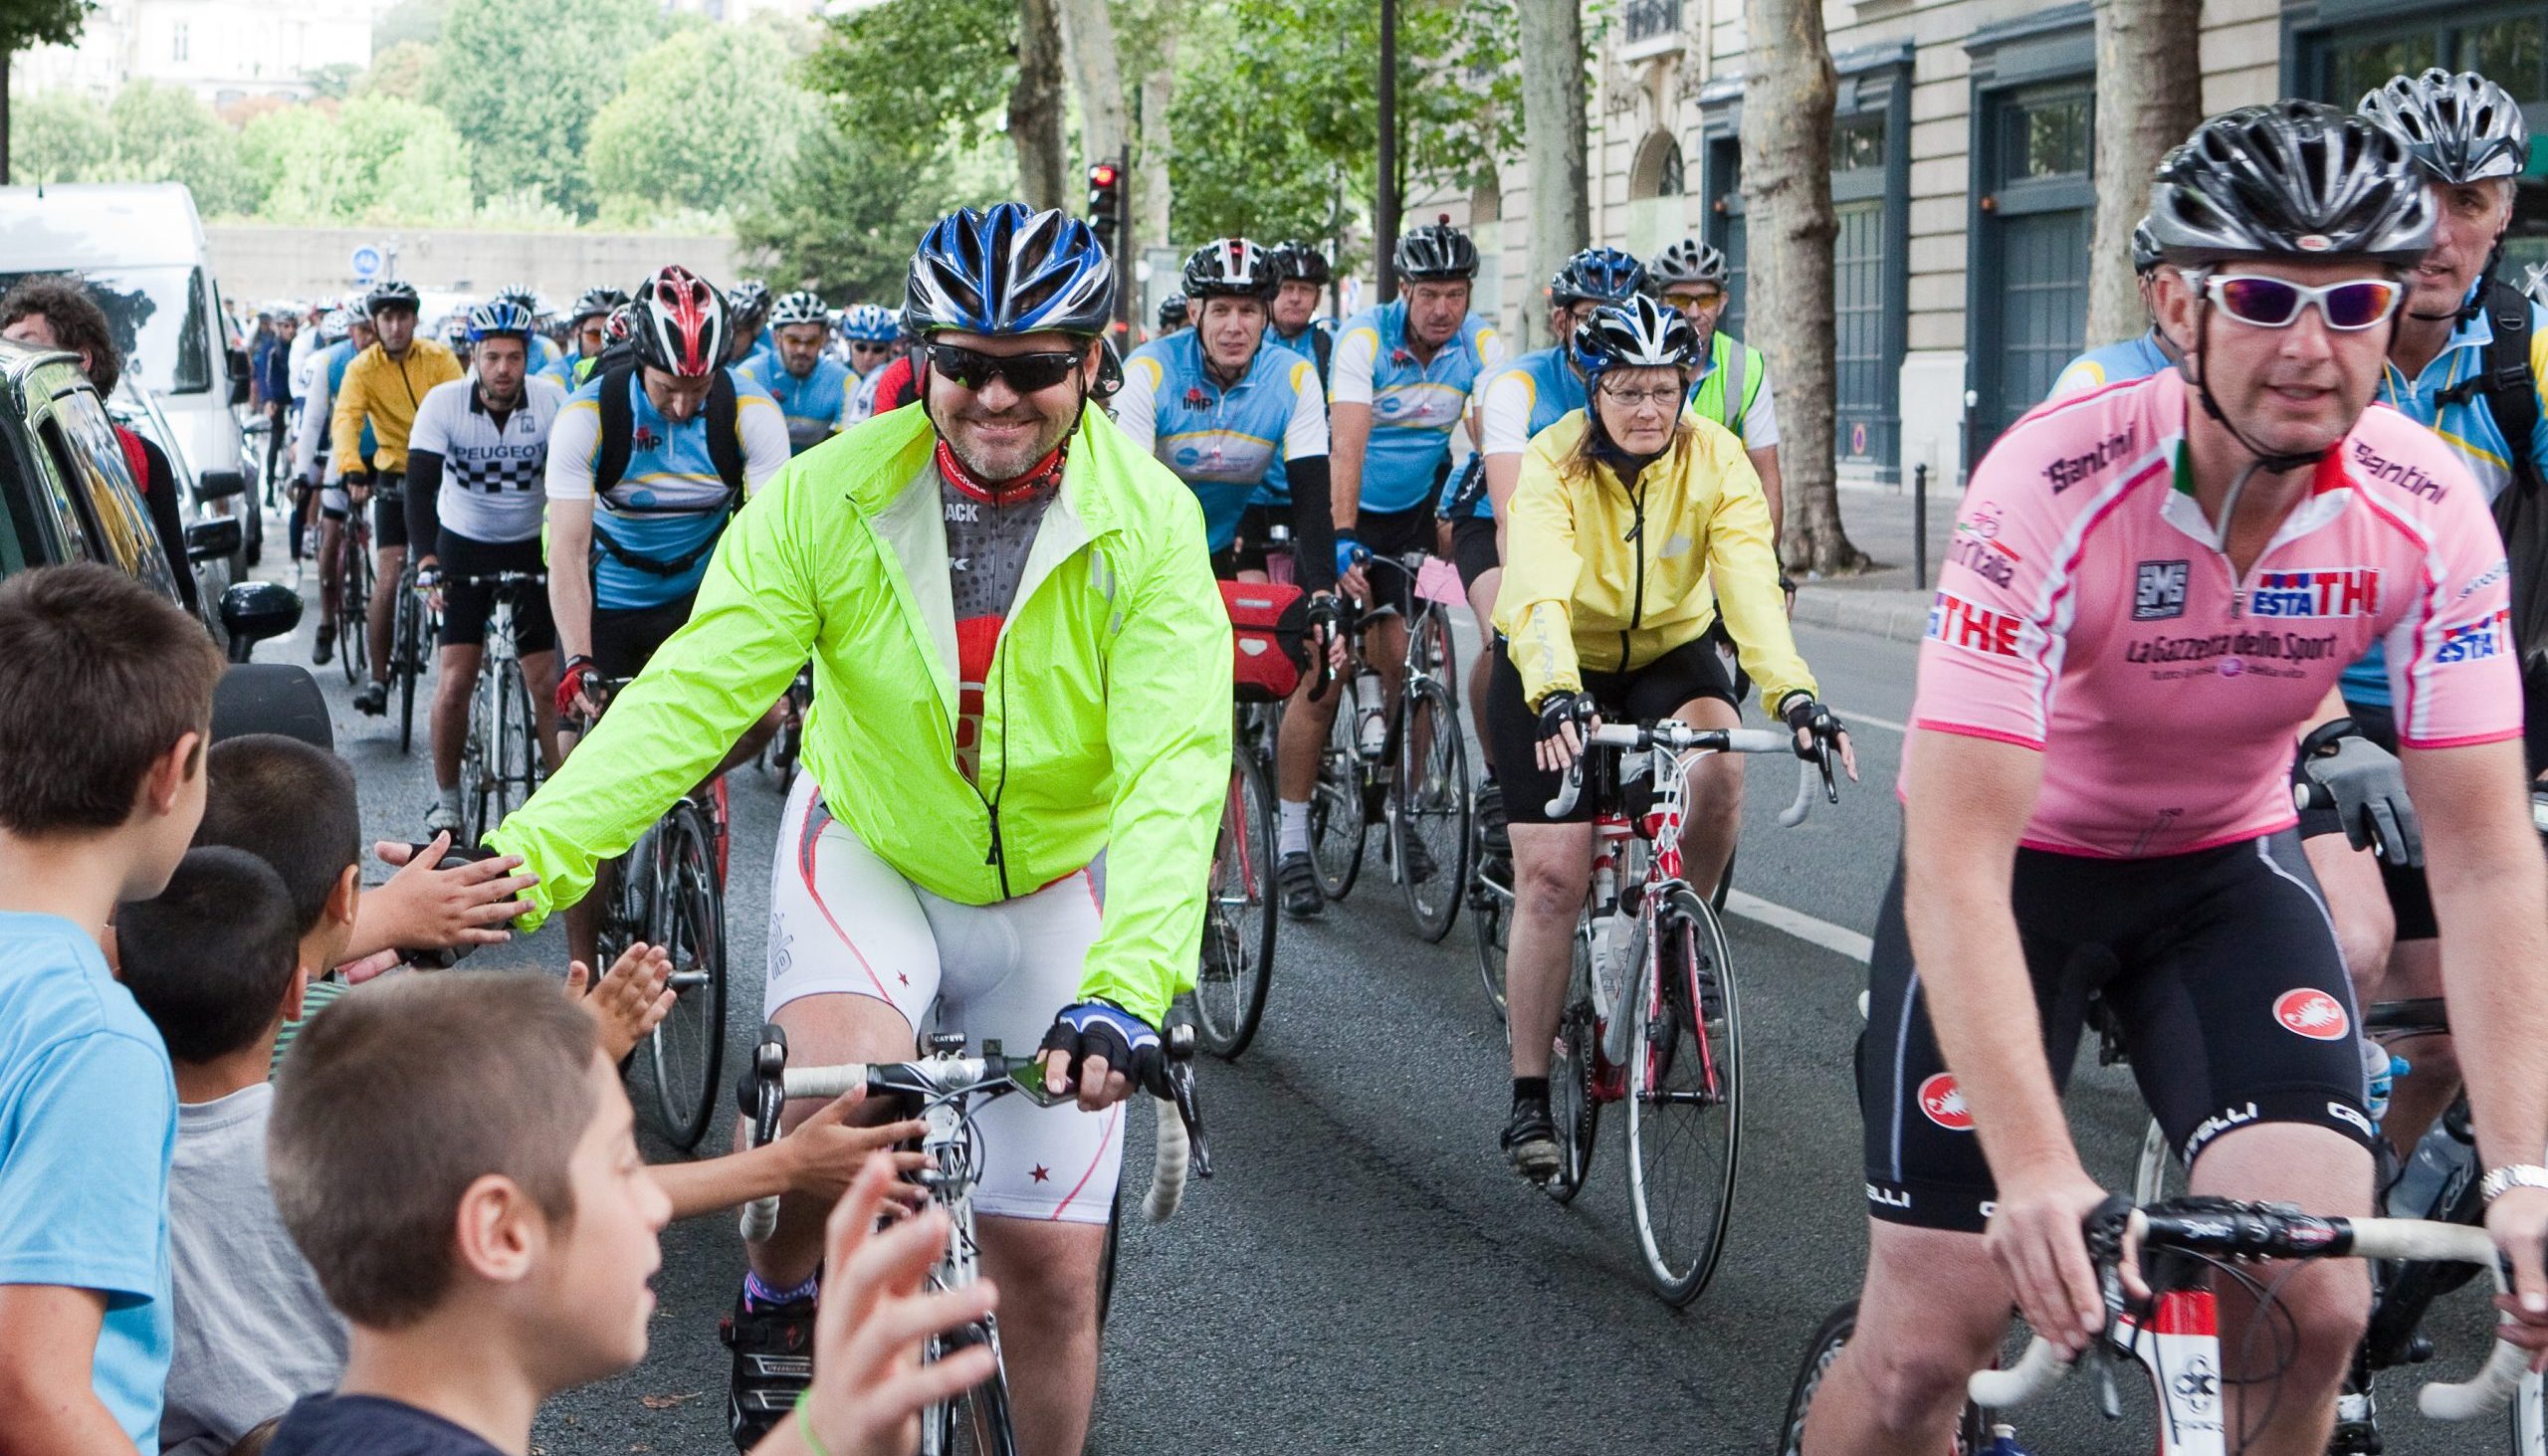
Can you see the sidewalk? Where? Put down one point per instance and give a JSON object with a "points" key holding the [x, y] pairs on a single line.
{"points": [[1886, 602]]}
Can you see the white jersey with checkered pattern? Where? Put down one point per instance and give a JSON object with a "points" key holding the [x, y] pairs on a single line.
{"points": [[491, 476]]}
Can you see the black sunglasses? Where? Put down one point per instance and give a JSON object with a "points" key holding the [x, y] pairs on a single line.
{"points": [[1025, 374]]}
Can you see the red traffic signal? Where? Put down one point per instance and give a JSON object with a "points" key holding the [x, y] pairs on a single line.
{"points": [[1102, 175]]}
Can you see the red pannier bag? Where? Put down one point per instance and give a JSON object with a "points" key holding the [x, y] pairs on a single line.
{"points": [[1270, 632]]}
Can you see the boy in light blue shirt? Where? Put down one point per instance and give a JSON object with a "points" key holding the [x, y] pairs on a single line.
{"points": [[105, 703]]}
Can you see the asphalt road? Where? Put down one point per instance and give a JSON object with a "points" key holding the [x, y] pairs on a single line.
{"points": [[1365, 1274]]}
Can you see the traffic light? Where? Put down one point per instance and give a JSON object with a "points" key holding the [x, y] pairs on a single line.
{"points": [[1105, 201]]}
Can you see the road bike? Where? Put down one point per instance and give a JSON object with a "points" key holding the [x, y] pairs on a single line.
{"points": [[1653, 1018], [411, 645], [950, 1087], [1237, 963], [2190, 1244], [1402, 765], [501, 763], [354, 597], [669, 891]]}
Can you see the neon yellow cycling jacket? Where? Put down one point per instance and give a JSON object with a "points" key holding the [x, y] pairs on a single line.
{"points": [[1106, 717]]}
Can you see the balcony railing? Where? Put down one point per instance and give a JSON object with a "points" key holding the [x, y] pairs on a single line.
{"points": [[1652, 19]]}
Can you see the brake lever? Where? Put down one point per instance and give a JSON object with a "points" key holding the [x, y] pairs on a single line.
{"points": [[1179, 1047], [765, 1086]]}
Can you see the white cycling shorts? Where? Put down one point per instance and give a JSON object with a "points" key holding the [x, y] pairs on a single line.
{"points": [[842, 921]]}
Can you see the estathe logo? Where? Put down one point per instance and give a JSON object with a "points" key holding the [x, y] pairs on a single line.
{"points": [[2312, 1013], [1943, 1101]]}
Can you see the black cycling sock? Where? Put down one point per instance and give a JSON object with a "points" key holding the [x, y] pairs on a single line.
{"points": [[1530, 1090]]}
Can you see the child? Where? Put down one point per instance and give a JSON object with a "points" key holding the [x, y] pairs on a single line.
{"points": [[105, 696], [218, 961], [490, 1230], [293, 805]]}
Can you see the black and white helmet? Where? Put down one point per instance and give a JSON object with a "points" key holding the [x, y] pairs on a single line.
{"points": [[391, 294], [2464, 128], [2295, 179], [1439, 254], [1229, 268], [1688, 261], [1295, 260], [2537, 286], [802, 307], [595, 303], [1638, 334], [2145, 249]]}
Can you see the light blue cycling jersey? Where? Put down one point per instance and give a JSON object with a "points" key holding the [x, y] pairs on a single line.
{"points": [[1520, 400], [1413, 405], [1228, 445], [814, 405], [561, 370], [338, 355], [1305, 343], [2137, 357], [543, 352], [669, 501], [2469, 427]]}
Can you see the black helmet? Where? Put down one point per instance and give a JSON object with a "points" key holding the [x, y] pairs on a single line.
{"points": [[1688, 261], [391, 294], [2295, 179], [1441, 253], [595, 301], [1174, 313], [2145, 249], [1638, 334], [748, 303], [1597, 275], [1229, 268], [1294, 260], [2464, 128]]}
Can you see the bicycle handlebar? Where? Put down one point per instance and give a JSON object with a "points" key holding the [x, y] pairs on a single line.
{"points": [[1680, 738], [2223, 1229]]}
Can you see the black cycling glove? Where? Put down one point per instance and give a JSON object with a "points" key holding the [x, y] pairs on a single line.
{"points": [[1128, 1044], [1806, 716], [1559, 708]]}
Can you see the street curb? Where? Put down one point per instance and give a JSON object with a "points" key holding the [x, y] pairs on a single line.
{"points": [[1896, 616]]}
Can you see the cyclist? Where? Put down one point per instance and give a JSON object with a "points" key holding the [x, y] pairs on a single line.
{"points": [[1402, 376], [2468, 359], [869, 331], [485, 438], [1538, 390], [1631, 526], [544, 351], [2137, 357], [646, 465], [380, 389], [896, 384], [748, 303], [1237, 417], [321, 506], [2058, 840], [1175, 311], [1301, 276], [811, 390], [618, 342], [1016, 764], [587, 327], [1733, 387]]}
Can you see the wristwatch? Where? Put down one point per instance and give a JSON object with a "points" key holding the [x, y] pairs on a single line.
{"points": [[2513, 1176]]}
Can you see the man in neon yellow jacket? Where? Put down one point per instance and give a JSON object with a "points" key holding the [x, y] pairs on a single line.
{"points": [[1014, 768]]}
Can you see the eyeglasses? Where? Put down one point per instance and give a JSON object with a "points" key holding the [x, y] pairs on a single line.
{"points": [[1665, 397], [2274, 302], [1025, 374], [869, 348], [1701, 299]]}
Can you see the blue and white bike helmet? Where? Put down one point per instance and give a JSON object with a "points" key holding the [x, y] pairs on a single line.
{"points": [[1010, 270], [869, 323], [499, 318]]}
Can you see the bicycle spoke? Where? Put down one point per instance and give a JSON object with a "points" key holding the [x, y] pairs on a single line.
{"points": [[1684, 1103]]}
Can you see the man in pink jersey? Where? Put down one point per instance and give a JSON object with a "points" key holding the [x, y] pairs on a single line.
{"points": [[2153, 591]]}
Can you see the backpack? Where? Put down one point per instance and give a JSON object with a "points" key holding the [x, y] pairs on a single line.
{"points": [[135, 456], [618, 431], [2521, 511]]}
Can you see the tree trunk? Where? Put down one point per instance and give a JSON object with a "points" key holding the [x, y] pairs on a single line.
{"points": [[1554, 131], [1097, 74], [7, 62], [1154, 194], [2149, 96], [1787, 96], [1035, 107]]}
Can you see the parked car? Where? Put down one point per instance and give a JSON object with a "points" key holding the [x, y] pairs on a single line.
{"points": [[224, 498]]}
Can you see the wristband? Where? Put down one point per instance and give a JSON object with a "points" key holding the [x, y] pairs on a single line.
{"points": [[2504, 1179], [805, 1424]]}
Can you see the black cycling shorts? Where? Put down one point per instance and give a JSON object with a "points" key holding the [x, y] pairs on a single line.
{"points": [[1473, 548], [2219, 967], [1393, 533], [465, 604], [1686, 673], [1248, 547], [2409, 898], [625, 639], [388, 513]]}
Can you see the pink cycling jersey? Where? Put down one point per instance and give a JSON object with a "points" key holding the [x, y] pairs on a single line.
{"points": [[2086, 611]]}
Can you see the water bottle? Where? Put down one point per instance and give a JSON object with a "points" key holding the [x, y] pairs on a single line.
{"points": [[1605, 984], [2436, 1158], [1615, 979], [1369, 700]]}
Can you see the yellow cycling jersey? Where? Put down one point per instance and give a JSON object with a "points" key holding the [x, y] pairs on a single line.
{"points": [[1605, 577], [386, 391]]}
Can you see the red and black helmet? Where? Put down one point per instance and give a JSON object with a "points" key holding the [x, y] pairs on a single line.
{"points": [[680, 324]]}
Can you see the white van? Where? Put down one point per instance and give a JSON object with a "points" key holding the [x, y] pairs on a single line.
{"points": [[139, 246]]}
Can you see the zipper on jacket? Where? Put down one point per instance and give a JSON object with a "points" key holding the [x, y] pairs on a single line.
{"points": [[1635, 540]]}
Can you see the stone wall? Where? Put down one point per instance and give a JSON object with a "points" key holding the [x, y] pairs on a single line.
{"points": [[255, 263]]}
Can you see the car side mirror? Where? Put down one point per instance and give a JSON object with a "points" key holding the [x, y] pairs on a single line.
{"points": [[210, 540], [220, 485], [254, 611], [238, 362]]}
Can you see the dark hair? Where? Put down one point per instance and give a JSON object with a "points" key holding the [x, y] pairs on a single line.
{"points": [[100, 676], [256, 1438], [78, 324], [210, 957], [457, 1074], [291, 805]]}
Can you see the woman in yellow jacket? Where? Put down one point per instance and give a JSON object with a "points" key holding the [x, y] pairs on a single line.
{"points": [[1627, 513]]}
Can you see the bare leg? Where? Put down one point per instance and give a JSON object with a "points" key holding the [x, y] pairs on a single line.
{"points": [[1931, 1313], [1716, 800], [456, 679], [1552, 866], [1047, 1278], [823, 1030], [1482, 667], [2432, 1077], [384, 608], [539, 676]]}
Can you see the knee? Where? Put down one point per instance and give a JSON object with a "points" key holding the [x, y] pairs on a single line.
{"points": [[1715, 785], [1549, 887], [1914, 1385], [2329, 1307]]}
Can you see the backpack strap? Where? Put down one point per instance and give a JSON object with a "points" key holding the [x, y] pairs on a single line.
{"points": [[2511, 394], [618, 424], [724, 436], [1323, 346]]}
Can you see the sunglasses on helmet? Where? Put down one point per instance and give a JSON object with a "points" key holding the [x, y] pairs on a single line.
{"points": [[1025, 374], [2274, 302]]}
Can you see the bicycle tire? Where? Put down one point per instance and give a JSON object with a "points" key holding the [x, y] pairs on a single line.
{"points": [[2529, 1418], [1491, 918], [1572, 1069], [1684, 1098], [977, 1422], [686, 1050], [353, 609], [516, 761], [474, 779], [407, 660], [1433, 791], [1437, 652], [1972, 1432], [1240, 914], [1106, 1259], [1336, 821]]}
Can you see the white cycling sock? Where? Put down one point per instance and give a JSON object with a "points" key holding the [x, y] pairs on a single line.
{"points": [[451, 800], [1292, 826]]}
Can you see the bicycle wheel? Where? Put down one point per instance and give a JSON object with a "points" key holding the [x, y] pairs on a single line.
{"points": [[1335, 804], [515, 764], [1435, 652], [1430, 807], [407, 659], [1972, 1434], [1573, 1067], [2530, 1417], [1238, 914], [476, 767], [1684, 1096], [688, 1048], [1491, 916], [977, 1422], [354, 610]]}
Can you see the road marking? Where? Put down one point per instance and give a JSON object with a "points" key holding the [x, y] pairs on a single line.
{"points": [[1853, 719], [1803, 926]]}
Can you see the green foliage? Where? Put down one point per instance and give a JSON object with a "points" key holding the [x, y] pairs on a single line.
{"points": [[419, 20], [705, 124], [163, 135], [523, 80], [59, 137], [334, 81], [849, 215], [400, 70], [25, 23], [919, 69], [378, 160]]}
